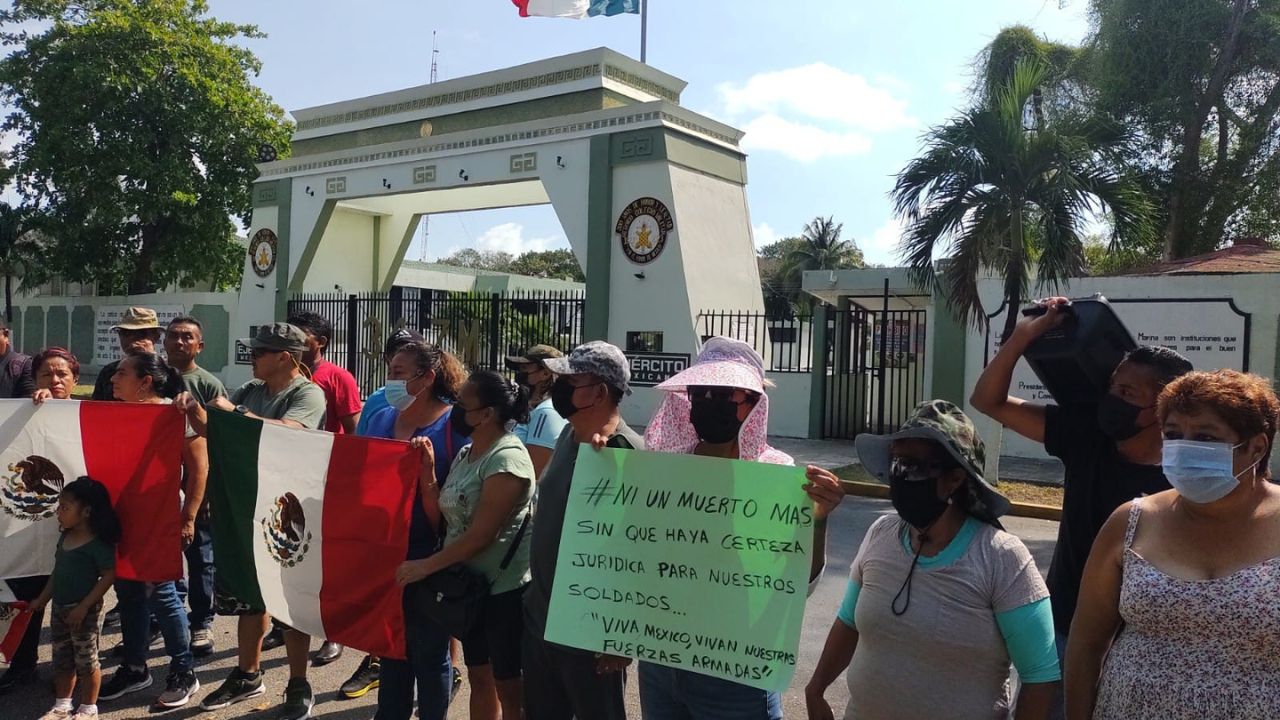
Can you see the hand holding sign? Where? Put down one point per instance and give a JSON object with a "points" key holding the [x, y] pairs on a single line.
{"points": [[691, 562]]}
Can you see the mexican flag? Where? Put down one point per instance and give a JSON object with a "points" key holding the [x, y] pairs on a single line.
{"points": [[13, 624], [311, 526], [576, 9], [135, 449]]}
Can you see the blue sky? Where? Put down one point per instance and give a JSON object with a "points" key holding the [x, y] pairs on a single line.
{"points": [[833, 95]]}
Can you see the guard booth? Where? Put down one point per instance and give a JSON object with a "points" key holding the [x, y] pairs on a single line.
{"points": [[650, 195]]}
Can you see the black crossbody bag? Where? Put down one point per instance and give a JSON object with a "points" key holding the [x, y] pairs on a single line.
{"points": [[452, 597]]}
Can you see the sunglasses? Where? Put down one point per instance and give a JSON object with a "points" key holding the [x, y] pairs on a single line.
{"points": [[736, 396], [262, 352]]}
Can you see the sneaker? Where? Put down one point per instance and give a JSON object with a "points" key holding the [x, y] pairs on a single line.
{"points": [[364, 679], [201, 642], [178, 690], [111, 618], [298, 701], [82, 714], [125, 680], [56, 714], [238, 686], [457, 683], [273, 639]]}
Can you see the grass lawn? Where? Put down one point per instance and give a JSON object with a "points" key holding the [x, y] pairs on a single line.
{"points": [[1012, 489]]}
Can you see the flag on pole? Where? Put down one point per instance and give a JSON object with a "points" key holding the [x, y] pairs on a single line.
{"points": [[311, 526], [13, 624], [134, 449], [576, 9]]}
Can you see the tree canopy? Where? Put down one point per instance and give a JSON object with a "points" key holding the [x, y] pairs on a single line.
{"points": [[138, 128], [560, 264]]}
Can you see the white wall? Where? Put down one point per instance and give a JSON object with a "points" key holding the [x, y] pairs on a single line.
{"points": [[345, 256], [789, 404], [1184, 315]]}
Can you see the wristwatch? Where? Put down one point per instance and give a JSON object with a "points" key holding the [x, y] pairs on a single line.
{"points": [[242, 410]]}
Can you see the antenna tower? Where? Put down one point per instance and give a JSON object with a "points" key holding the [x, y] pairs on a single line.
{"points": [[435, 75]]}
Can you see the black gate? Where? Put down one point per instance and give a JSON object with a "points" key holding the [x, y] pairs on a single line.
{"points": [[876, 370], [479, 328]]}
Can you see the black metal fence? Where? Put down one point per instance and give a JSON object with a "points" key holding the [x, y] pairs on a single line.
{"points": [[786, 343], [479, 328]]}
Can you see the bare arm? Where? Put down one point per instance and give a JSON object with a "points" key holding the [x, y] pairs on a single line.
{"points": [[826, 492], [991, 393], [195, 461], [1035, 700], [498, 499], [837, 653], [1097, 616], [540, 457], [349, 423]]}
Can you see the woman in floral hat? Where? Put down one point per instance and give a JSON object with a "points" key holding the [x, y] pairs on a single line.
{"points": [[718, 408]]}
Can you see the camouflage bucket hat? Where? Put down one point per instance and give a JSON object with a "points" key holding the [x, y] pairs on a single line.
{"points": [[947, 425]]}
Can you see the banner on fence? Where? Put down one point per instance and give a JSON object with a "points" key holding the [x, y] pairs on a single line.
{"points": [[690, 562]]}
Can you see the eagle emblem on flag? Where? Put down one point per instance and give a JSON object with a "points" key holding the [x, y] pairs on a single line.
{"points": [[285, 530], [31, 492]]}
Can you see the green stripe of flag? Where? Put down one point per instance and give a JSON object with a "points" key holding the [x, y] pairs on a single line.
{"points": [[233, 494]]}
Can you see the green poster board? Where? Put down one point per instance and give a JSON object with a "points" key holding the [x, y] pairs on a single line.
{"points": [[690, 562]]}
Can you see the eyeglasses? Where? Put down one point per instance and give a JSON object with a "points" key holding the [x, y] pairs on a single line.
{"points": [[914, 470]]}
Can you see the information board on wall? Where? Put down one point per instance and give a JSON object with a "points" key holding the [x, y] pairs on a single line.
{"points": [[106, 345], [1212, 333], [685, 561]]}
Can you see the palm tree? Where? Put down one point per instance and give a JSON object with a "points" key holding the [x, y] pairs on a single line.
{"points": [[819, 247], [990, 193]]}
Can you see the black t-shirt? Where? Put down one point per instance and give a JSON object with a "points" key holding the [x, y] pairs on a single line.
{"points": [[102, 389], [1097, 481], [16, 379]]}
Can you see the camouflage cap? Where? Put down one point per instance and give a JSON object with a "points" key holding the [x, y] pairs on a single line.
{"points": [[598, 358], [278, 337], [535, 354], [947, 425]]}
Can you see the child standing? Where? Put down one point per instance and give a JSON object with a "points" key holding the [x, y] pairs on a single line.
{"points": [[83, 570]]}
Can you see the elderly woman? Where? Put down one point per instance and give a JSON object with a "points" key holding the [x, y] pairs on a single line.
{"points": [[718, 408], [1178, 615], [56, 373], [941, 599]]}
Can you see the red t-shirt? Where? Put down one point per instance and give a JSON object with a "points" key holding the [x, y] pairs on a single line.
{"points": [[341, 393]]}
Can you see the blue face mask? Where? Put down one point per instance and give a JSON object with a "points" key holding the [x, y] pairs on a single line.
{"points": [[398, 395], [1201, 472]]}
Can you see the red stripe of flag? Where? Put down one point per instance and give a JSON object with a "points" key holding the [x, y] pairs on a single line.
{"points": [[135, 449], [13, 625], [368, 496], [523, 5]]}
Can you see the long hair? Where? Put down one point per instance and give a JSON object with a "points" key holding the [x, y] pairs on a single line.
{"points": [[509, 399], [166, 381], [91, 494]]}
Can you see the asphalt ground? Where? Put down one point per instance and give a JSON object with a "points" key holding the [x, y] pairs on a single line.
{"points": [[847, 527]]}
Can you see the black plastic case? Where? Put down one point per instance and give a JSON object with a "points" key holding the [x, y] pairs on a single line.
{"points": [[1075, 360]]}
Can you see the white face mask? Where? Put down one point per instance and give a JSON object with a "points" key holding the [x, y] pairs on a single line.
{"points": [[1201, 471]]}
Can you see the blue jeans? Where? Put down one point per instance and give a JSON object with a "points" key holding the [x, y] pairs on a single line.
{"points": [[427, 665], [139, 602], [200, 578], [671, 694]]}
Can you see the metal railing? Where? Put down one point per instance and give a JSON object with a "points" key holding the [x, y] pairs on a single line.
{"points": [[786, 343]]}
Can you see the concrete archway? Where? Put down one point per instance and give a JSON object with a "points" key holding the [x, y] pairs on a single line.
{"points": [[599, 136]]}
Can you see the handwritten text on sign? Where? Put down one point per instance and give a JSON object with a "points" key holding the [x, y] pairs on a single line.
{"points": [[690, 562]]}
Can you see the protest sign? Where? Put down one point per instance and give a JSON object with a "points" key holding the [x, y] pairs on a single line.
{"points": [[691, 562]]}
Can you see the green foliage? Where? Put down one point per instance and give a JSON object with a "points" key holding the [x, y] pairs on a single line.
{"points": [[556, 264], [19, 250], [1059, 88], [1103, 259], [783, 263], [138, 127], [987, 192], [491, 260], [1199, 81]]}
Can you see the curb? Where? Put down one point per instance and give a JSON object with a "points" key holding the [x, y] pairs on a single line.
{"points": [[1018, 509]]}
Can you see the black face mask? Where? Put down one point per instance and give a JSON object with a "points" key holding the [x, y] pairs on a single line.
{"points": [[916, 501], [715, 420], [522, 378], [458, 421], [562, 399], [1118, 419]]}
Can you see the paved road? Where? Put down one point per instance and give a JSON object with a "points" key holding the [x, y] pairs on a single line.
{"points": [[847, 528]]}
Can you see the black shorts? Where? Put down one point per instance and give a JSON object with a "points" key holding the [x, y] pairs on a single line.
{"points": [[495, 640]]}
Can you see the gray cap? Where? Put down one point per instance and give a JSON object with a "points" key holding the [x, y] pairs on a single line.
{"points": [[598, 358], [278, 337]]}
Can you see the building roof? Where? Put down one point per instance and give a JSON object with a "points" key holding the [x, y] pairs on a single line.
{"points": [[1251, 256]]}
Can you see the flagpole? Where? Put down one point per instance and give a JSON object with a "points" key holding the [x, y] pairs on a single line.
{"points": [[644, 30]]}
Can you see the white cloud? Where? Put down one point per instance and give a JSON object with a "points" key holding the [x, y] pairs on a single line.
{"points": [[509, 238], [764, 234], [821, 92], [881, 247], [814, 111], [798, 141], [955, 86]]}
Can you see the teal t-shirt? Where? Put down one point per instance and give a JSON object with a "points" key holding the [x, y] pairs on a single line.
{"points": [[76, 570], [461, 496]]}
